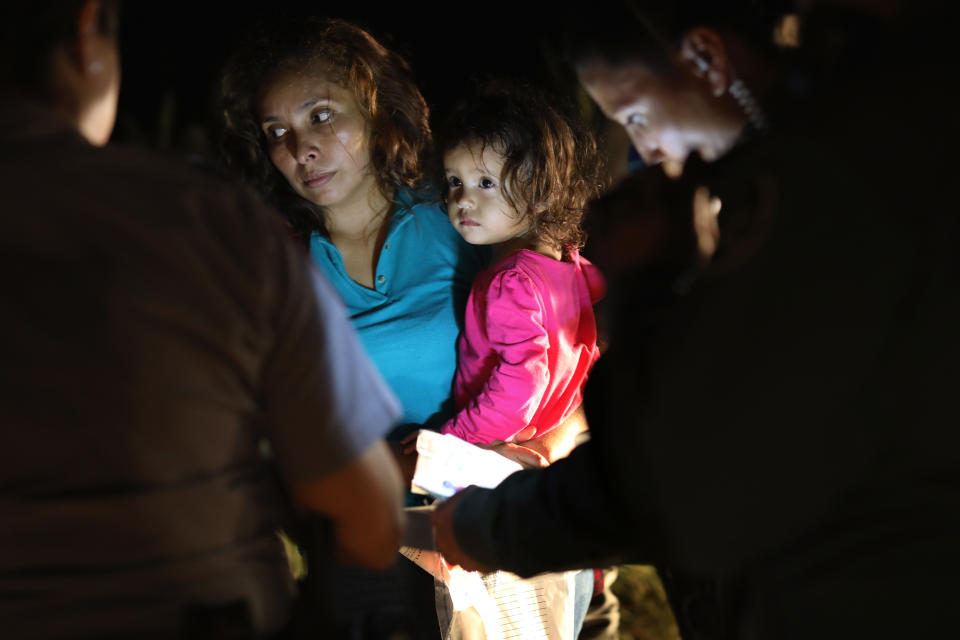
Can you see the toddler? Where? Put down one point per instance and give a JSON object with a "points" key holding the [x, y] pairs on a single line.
{"points": [[518, 176]]}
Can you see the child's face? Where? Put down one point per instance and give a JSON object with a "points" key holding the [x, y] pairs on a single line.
{"points": [[475, 200]]}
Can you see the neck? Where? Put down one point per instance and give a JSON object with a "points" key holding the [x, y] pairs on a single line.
{"points": [[725, 134], [359, 220], [503, 249], [730, 120]]}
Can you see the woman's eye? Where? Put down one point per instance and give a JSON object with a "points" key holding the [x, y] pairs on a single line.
{"points": [[277, 132], [322, 116], [487, 183], [636, 120], [453, 181]]}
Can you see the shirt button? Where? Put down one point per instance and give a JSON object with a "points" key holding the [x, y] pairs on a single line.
{"points": [[381, 279]]}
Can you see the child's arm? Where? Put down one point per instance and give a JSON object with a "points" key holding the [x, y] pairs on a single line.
{"points": [[512, 393]]}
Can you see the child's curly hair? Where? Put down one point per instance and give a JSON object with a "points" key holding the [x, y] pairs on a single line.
{"points": [[551, 165]]}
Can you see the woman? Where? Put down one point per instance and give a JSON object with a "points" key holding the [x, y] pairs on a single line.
{"points": [[328, 124], [347, 171]]}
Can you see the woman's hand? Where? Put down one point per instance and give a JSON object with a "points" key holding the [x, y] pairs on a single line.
{"points": [[533, 451], [559, 441], [520, 454]]}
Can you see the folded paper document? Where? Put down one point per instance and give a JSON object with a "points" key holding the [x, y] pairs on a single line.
{"points": [[474, 606], [447, 464]]}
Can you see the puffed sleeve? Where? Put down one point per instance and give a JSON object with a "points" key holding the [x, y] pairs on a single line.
{"points": [[510, 397]]}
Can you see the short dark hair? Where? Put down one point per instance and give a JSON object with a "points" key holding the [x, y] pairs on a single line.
{"points": [[380, 79], [30, 31], [551, 165], [646, 31]]}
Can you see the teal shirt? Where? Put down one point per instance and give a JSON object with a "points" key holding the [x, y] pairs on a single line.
{"points": [[410, 320]]}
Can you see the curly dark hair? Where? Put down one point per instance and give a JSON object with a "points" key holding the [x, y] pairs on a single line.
{"points": [[381, 81], [551, 165]]}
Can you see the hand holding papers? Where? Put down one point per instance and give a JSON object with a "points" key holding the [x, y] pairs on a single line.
{"points": [[470, 605]]}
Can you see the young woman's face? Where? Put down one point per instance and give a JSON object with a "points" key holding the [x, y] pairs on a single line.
{"points": [[666, 119], [317, 137], [475, 200]]}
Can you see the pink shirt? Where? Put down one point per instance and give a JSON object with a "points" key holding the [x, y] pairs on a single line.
{"points": [[528, 343]]}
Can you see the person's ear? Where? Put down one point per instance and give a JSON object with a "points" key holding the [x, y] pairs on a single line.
{"points": [[703, 53], [92, 47], [92, 72]]}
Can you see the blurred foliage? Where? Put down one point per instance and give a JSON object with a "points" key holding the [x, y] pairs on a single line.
{"points": [[165, 128], [295, 559], [644, 611]]}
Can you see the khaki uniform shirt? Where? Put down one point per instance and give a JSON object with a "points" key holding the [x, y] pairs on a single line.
{"points": [[156, 327]]}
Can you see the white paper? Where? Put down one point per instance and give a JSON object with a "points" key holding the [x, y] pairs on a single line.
{"points": [[509, 607], [471, 605], [446, 464]]}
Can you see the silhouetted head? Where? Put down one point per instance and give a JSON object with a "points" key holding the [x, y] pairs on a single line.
{"points": [[65, 54]]}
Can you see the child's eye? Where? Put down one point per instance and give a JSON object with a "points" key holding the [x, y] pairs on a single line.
{"points": [[453, 181], [322, 116], [487, 183]]}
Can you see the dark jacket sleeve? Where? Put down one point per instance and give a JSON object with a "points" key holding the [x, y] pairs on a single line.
{"points": [[558, 518]]}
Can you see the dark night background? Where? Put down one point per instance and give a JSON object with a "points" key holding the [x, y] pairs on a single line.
{"points": [[173, 53]]}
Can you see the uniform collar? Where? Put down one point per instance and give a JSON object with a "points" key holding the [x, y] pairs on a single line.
{"points": [[22, 118]]}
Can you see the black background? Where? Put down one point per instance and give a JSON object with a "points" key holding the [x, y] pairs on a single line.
{"points": [[173, 53]]}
